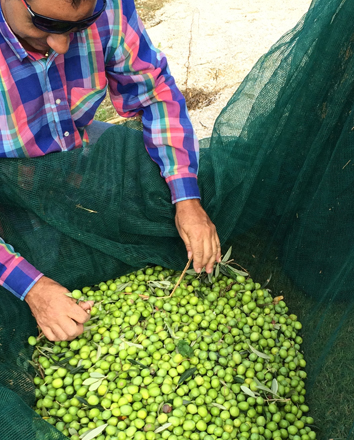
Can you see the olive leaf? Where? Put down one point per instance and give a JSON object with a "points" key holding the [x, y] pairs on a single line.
{"points": [[90, 327], [122, 287], [210, 277], [160, 284], [85, 402], [99, 352], [266, 282], [89, 381], [275, 386], [247, 391], [234, 272], [200, 294], [224, 271], [290, 393], [60, 355], [95, 385], [191, 272], [262, 387], [198, 336], [82, 400], [186, 375], [134, 362], [217, 405], [48, 349], [92, 433], [98, 375], [171, 332], [34, 365], [76, 369], [72, 431], [239, 379], [204, 279], [185, 349], [131, 344], [162, 428], [217, 271], [63, 362], [258, 353], [160, 407], [227, 256]]}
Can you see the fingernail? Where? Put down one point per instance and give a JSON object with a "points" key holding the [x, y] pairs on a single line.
{"points": [[189, 255]]}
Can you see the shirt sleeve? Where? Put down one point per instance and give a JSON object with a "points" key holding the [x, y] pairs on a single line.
{"points": [[16, 274], [140, 81]]}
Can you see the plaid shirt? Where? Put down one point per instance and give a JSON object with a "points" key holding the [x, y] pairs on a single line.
{"points": [[45, 103]]}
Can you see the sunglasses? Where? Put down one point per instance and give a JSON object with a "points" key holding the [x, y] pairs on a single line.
{"points": [[54, 26]]}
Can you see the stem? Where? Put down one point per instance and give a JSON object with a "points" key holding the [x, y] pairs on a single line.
{"points": [[180, 278]]}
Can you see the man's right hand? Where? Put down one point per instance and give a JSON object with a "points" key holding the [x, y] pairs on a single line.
{"points": [[58, 316]]}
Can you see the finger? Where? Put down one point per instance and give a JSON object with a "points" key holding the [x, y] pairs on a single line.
{"points": [[197, 252], [48, 334], [210, 255], [87, 306], [78, 314], [75, 331], [68, 329], [79, 330], [218, 247], [59, 332], [186, 243]]}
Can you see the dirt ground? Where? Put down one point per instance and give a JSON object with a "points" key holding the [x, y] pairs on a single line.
{"points": [[212, 45]]}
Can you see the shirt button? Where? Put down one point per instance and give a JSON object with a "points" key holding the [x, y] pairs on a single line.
{"points": [[66, 134], [58, 101]]}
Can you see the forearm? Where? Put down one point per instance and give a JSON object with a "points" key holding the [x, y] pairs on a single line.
{"points": [[140, 81]]}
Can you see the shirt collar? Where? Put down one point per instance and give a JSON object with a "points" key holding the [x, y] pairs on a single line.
{"points": [[11, 38]]}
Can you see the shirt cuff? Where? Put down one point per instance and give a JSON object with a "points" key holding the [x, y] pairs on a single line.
{"points": [[183, 188], [20, 277]]}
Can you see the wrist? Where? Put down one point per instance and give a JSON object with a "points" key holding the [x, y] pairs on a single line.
{"points": [[188, 203]]}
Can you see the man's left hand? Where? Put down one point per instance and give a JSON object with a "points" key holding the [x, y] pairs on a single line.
{"points": [[199, 234]]}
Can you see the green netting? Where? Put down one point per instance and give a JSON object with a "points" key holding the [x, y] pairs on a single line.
{"points": [[276, 178]]}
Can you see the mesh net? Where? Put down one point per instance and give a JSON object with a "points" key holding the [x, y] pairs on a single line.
{"points": [[276, 178]]}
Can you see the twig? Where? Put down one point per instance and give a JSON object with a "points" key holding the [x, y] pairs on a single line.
{"points": [[86, 209], [41, 371], [141, 295], [180, 278], [346, 164], [232, 261]]}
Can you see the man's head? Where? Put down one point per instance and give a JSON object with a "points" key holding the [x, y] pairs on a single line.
{"points": [[20, 15]]}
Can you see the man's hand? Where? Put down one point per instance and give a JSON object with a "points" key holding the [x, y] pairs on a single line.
{"points": [[199, 234], [59, 317]]}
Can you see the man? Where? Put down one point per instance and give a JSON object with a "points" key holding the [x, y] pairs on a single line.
{"points": [[55, 61]]}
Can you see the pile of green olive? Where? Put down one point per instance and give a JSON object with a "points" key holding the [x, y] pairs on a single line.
{"points": [[219, 359]]}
